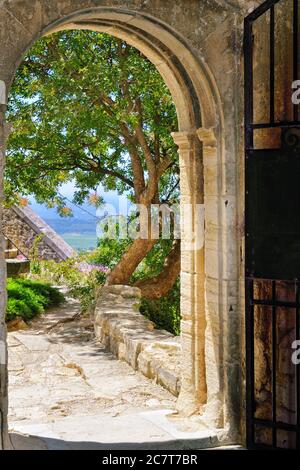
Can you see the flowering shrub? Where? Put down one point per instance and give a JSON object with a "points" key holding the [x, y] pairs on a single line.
{"points": [[79, 274], [21, 257], [85, 273], [87, 268]]}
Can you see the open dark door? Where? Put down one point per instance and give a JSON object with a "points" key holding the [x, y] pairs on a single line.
{"points": [[272, 143]]}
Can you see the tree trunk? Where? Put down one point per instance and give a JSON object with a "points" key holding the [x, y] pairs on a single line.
{"points": [[122, 273], [158, 286]]}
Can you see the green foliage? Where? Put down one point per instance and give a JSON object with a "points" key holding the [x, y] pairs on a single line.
{"points": [[27, 298], [153, 263], [109, 251], [74, 105], [88, 107], [52, 296], [34, 253], [81, 282], [164, 312]]}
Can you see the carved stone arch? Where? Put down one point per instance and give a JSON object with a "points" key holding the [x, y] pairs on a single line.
{"points": [[189, 80], [200, 117]]}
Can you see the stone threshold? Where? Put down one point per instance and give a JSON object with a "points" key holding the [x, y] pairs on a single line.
{"points": [[178, 435], [126, 333]]}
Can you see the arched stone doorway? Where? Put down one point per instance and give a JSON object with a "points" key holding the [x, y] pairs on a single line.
{"points": [[210, 354]]}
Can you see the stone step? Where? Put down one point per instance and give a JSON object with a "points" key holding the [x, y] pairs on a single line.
{"points": [[16, 267], [11, 253]]}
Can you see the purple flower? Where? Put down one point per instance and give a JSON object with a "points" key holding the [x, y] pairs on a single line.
{"points": [[87, 268], [21, 257]]}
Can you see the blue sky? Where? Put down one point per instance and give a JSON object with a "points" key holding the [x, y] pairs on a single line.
{"points": [[110, 197]]}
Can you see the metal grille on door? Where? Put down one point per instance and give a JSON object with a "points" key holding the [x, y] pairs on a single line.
{"points": [[272, 175]]}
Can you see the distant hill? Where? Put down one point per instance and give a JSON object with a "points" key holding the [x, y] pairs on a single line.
{"points": [[80, 230], [51, 214], [80, 223], [72, 225]]}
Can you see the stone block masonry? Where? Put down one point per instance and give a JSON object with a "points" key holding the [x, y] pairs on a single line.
{"points": [[121, 328], [22, 226]]}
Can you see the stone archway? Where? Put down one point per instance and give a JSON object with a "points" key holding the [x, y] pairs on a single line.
{"points": [[205, 288]]}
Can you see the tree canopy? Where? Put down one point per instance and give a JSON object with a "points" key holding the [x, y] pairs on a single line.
{"points": [[88, 107]]}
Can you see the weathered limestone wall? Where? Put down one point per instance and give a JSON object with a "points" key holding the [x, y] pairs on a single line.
{"points": [[23, 227], [23, 236], [132, 338], [197, 47]]}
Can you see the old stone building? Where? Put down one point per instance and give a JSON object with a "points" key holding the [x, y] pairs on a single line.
{"points": [[25, 229], [197, 46]]}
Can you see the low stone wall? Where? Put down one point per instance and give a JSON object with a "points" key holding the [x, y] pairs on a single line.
{"points": [[131, 337]]}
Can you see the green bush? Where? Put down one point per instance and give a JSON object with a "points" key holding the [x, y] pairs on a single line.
{"points": [[27, 298], [82, 283], [75, 275], [18, 308], [50, 295], [164, 312]]}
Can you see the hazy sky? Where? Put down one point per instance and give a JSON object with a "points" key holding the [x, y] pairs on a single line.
{"points": [[116, 204]]}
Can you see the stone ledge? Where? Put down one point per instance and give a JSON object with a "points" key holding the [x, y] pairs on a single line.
{"points": [[121, 328]]}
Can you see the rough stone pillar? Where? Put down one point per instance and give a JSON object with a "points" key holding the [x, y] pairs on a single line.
{"points": [[4, 439], [193, 323], [214, 413]]}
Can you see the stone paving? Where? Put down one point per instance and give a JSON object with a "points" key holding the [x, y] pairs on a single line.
{"points": [[66, 391]]}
